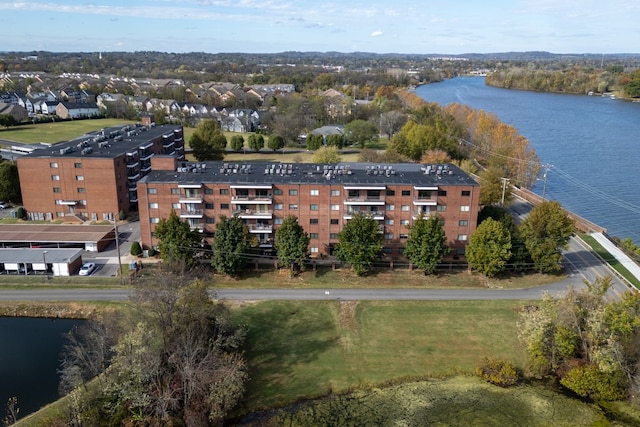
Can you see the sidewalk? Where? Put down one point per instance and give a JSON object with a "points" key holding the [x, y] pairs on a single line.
{"points": [[627, 262]]}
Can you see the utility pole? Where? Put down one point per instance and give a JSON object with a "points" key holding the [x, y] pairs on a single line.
{"points": [[544, 187], [115, 227], [504, 188]]}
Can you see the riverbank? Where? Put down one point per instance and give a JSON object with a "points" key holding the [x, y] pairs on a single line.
{"points": [[53, 310]]}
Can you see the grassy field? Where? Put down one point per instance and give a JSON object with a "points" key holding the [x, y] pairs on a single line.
{"points": [[459, 401], [51, 133], [306, 349]]}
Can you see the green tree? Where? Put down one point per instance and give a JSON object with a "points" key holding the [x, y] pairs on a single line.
{"points": [[9, 182], [292, 244], [360, 243], [237, 142], [230, 245], [256, 142], [177, 243], [314, 141], [427, 243], [276, 142], [545, 232], [208, 142], [335, 140], [329, 155], [136, 249], [7, 120], [489, 247], [520, 259], [492, 187], [360, 132]]}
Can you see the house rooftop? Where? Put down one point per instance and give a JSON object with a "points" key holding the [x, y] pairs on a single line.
{"points": [[355, 174], [106, 143]]}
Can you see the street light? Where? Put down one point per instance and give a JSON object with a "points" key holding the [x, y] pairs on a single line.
{"points": [[44, 261]]}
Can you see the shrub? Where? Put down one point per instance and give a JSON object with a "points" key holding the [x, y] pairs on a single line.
{"points": [[498, 372], [136, 249], [590, 382]]}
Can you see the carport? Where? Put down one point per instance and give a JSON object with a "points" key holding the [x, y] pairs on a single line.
{"points": [[93, 238], [25, 261]]}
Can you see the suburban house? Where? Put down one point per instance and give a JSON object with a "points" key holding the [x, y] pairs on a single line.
{"points": [[72, 110], [322, 197]]}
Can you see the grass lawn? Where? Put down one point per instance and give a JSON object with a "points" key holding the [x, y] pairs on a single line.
{"points": [[610, 259], [305, 349], [51, 133]]}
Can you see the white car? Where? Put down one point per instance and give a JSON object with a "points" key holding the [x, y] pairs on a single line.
{"points": [[87, 269]]}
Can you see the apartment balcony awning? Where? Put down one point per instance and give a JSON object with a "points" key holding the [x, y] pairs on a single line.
{"points": [[190, 185], [256, 186]]}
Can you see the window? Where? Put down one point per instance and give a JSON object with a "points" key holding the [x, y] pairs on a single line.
{"points": [[334, 222], [153, 206], [224, 191], [404, 208], [79, 178], [152, 191], [313, 250], [77, 165], [313, 235], [442, 193], [208, 205], [313, 221], [293, 192], [403, 236], [388, 236], [460, 251], [314, 192], [387, 250], [208, 191], [175, 205], [464, 208], [406, 192], [277, 221], [466, 193], [391, 193], [441, 208], [277, 192], [293, 207], [335, 192], [335, 207], [155, 220], [390, 207], [57, 190], [80, 190], [404, 222], [224, 205], [58, 202], [53, 164], [388, 222], [59, 214], [278, 207], [462, 237], [463, 223], [210, 220], [175, 191], [314, 207], [333, 235], [55, 177]]}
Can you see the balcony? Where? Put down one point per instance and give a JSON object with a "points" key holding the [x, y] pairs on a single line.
{"points": [[425, 201], [364, 200], [252, 200], [192, 213], [195, 198], [260, 228], [133, 164], [252, 213], [146, 156], [377, 215]]}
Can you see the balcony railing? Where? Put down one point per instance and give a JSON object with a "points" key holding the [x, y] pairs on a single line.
{"points": [[348, 213], [192, 213], [260, 228], [364, 200], [251, 199], [252, 213], [191, 199]]}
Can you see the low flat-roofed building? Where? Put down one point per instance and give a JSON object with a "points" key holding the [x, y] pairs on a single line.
{"points": [[93, 238], [25, 261]]}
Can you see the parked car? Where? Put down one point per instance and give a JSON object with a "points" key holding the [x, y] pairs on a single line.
{"points": [[3, 205], [87, 269]]}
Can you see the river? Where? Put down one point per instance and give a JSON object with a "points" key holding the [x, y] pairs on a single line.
{"points": [[29, 361], [590, 144]]}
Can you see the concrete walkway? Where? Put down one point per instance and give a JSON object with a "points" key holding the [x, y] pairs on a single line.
{"points": [[627, 262]]}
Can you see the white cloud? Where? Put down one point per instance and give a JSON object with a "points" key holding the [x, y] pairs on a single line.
{"points": [[376, 33]]}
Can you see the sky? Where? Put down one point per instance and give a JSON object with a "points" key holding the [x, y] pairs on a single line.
{"points": [[271, 26]]}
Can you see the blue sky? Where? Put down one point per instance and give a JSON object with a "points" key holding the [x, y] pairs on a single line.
{"points": [[381, 26]]}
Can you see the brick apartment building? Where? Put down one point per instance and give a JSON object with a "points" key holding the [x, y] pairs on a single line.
{"points": [[322, 197], [94, 177]]}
